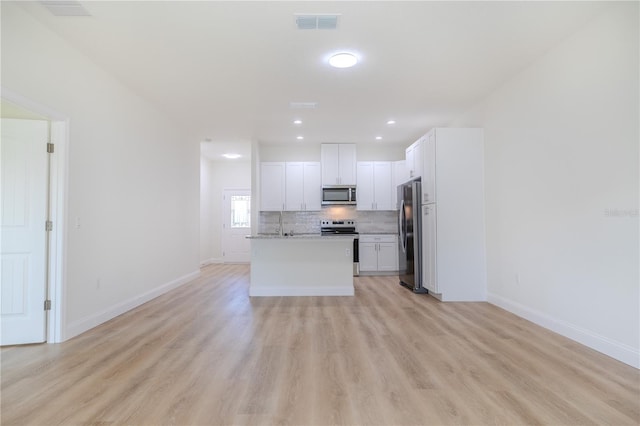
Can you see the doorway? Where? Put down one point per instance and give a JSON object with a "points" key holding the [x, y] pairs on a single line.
{"points": [[34, 158], [236, 225]]}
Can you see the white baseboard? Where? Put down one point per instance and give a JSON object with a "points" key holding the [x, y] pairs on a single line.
{"points": [[211, 261], [301, 291], [78, 327], [616, 350]]}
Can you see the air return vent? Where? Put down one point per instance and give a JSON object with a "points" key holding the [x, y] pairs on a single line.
{"points": [[303, 105], [316, 22], [65, 8]]}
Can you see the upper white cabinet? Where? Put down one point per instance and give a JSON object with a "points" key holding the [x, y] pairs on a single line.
{"points": [[272, 186], [414, 160], [400, 175], [302, 186], [429, 172], [375, 184], [453, 220], [338, 163]]}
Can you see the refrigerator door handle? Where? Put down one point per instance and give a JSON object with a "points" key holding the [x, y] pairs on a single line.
{"points": [[403, 227]]}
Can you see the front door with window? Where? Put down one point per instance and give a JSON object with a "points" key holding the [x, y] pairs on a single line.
{"points": [[236, 225]]}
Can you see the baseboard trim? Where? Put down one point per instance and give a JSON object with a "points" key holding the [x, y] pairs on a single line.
{"points": [[211, 261], [614, 349], [300, 291], [78, 327]]}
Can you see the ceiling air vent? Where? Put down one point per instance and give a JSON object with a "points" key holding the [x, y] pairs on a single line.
{"points": [[316, 22], [303, 105], [65, 8]]}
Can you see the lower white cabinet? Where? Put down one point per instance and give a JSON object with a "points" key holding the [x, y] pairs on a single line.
{"points": [[378, 253]]}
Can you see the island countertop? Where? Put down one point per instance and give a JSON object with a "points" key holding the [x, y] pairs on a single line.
{"points": [[300, 237]]}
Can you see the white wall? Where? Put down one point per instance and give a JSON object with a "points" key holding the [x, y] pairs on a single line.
{"points": [[206, 204], [562, 187], [217, 176], [132, 177]]}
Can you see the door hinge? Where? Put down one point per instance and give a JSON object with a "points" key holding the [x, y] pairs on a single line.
{"points": [[48, 226], [50, 148], [47, 305]]}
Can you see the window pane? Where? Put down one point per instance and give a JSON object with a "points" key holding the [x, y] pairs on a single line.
{"points": [[240, 211]]}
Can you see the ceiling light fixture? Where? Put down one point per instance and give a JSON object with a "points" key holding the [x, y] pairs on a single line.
{"points": [[343, 60], [231, 156], [297, 121], [391, 122], [300, 138], [378, 138]]}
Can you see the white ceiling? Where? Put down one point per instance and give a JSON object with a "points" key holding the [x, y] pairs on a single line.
{"points": [[227, 71]]}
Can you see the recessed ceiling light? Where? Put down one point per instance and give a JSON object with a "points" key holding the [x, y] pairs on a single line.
{"points": [[297, 121], [391, 122], [300, 138], [343, 60], [378, 138], [231, 156]]}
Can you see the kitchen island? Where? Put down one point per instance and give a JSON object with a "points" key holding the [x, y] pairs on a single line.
{"points": [[301, 265]]}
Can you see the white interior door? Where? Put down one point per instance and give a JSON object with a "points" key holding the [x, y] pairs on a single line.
{"points": [[236, 225], [23, 215]]}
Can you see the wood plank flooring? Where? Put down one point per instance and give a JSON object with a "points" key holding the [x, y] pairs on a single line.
{"points": [[208, 354]]}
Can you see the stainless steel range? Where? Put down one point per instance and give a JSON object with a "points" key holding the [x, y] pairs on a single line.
{"points": [[330, 228]]}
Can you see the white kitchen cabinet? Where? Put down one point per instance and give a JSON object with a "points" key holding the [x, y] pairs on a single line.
{"points": [[414, 159], [272, 186], [399, 175], [429, 172], [338, 163], [302, 186], [374, 185], [378, 253], [429, 238], [453, 225]]}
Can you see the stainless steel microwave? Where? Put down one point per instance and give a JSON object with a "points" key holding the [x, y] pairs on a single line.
{"points": [[338, 194]]}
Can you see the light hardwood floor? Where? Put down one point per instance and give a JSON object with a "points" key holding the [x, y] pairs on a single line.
{"points": [[208, 354]]}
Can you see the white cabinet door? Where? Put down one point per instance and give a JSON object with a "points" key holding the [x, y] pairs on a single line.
{"points": [[382, 183], [368, 256], [294, 186], [388, 256], [365, 188], [312, 186], [272, 184], [330, 159], [409, 154], [347, 163], [429, 239], [400, 175], [338, 163], [429, 173], [418, 161]]}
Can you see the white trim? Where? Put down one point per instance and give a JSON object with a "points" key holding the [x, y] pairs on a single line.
{"points": [[211, 261], [301, 291], [31, 105], [620, 351], [87, 323], [57, 243]]}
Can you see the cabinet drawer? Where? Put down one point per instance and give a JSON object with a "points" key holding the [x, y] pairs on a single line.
{"points": [[378, 238]]}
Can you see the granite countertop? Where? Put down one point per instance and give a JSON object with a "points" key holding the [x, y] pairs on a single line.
{"points": [[298, 237]]}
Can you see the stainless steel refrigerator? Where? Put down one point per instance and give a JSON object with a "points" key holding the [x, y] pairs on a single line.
{"points": [[410, 230]]}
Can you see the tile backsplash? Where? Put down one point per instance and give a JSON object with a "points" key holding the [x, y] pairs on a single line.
{"points": [[302, 222]]}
